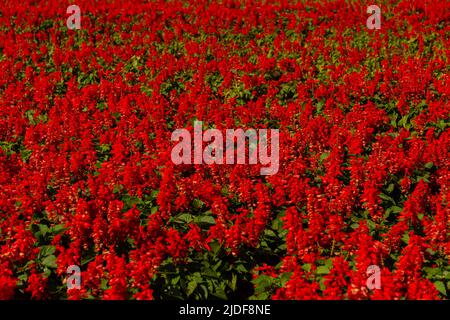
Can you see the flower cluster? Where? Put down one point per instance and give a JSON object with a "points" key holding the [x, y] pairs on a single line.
{"points": [[86, 118]]}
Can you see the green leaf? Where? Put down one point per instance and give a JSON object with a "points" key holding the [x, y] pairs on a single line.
{"points": [[192, 285], [220, 293], [196, 203], [440, 287], [371, 225], [206, 220], [23, 277], [307, 267], [324, 155], [322, 285], [217, 265], [57, 229], [396, 209], [47, 250], [215, 247], [428, 165], [285, 278], [86, 260], [277, 224], [233, 282], [211, 273], [329, 263], [261, 296], [104, 284], [386, 197], [322, 270], [432, 271], [269, 233], [205, 291], [47, 272], [241, 268], [263, 283], [405, 238], [39, 229], [176, 280], [184, 218], [354, 225], [390, 188], [49, 261]]}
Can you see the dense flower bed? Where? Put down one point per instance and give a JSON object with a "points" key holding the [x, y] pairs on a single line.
{"points": [[86, 179]]}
